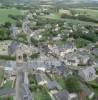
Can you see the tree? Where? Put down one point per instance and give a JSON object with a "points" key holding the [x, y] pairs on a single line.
{"points": [[4, 34], [73, 84], [91, 37], [35, 55], [7, 24], [80, 42], [73, 12], [18, 23]]}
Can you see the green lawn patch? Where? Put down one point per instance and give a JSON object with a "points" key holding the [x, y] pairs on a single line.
{"points": [[61, 81], [88, 12], [80, 42], [42, 94], [56, 16], [8, 84], [93, 83], [10, 11], [4, 57], [1, 75], [6, 98]]}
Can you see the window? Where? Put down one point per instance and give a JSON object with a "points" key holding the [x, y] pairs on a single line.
{"points": [[19, 57]]}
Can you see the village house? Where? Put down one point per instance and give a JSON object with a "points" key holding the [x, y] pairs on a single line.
{"points": [[9, 68], [63, 49], [53, 85], [86, 92], [94, 51], [41, 79], [78, 58], [65, 95], [4, 47], [12, 47], [62, 71], [87, 74]]}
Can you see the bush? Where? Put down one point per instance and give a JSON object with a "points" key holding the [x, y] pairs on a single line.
{"points": [[73, 84], [3, 57], [35, 55], [4, 34], [80, 42], [80, 17]]}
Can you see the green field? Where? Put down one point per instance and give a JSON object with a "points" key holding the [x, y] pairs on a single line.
{"points": [[8, 84], [5, 12], [89, 12], [53, 16], [1, 75], [56, 16]]}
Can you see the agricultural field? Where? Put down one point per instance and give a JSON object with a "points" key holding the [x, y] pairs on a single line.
{"points": [[10, 11], [56, 16], [53, 16], [93, 13]]}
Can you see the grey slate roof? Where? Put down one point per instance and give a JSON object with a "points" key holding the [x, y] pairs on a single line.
{"points": [[86, 90], [7, 91], [41, 77], [10, 64], [52, 85], [12, 48], [95, 51], [63, 95]]}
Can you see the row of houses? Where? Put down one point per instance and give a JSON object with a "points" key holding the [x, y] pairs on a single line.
{"points": [[79, 58], [61, 50], [52, 86], [86, 73]]}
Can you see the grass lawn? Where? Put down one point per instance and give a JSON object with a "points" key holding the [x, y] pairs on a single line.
{"points": [[42, 94], [56, 16], [96, 91], [8, 84], [5, 12], [1, 74], [53, 16], [93, 83], [61, 81], [80, 42], [6, 98], [90, 12]]}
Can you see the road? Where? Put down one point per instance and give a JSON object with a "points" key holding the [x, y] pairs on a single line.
{"points": [[7, 92], [22, 88], [44, 50]]}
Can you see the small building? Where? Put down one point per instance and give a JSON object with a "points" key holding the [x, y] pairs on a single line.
{"points": [[12, 47], [62, 95], [94, 51], [63, 49], [86, 91], [63, 71], [9, 68], [87, 74], [63, 11], [53, 85], [77, 58], [41, 79], [4, 47]]}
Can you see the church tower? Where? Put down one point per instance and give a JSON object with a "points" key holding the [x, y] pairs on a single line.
{"points": [[19, 75]]}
